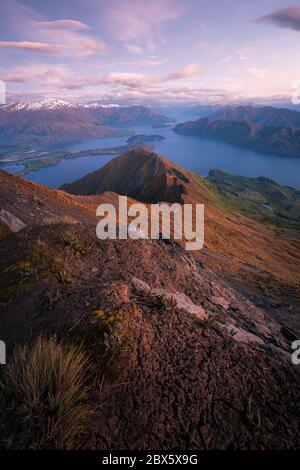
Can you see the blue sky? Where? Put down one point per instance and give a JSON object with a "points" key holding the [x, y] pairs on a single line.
{"points": [[142, 51]]}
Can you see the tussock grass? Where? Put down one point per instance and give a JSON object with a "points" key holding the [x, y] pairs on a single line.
{"points": [[47, 382]]}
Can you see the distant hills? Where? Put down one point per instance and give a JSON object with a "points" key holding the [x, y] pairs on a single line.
{"points": [[277, 140], [55, 121], [263, 129], [264, 115]]}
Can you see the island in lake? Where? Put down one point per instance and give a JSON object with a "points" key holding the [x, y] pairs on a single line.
{"points": [[143, 139]]}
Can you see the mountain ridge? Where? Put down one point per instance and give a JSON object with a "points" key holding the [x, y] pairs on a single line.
{"points": [[278, 140], [265, 115]]}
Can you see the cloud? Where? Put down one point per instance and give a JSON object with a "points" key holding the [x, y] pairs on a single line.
{"points": [[41, 47], [42, 74], [72, 41], [134, 49], [185, 72], [66, 78], [66, 24], [257, 72], [168, 95], [35, 33], [288, 17], [127, 79], [129, 20], [61, 81], [150, 62], [73, 46], [15, 78]]}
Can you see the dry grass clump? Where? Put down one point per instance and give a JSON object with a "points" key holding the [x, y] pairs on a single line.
{"points": [[47, 383]]}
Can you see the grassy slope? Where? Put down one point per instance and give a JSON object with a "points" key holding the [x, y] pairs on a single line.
{"points": [[258, 198]]}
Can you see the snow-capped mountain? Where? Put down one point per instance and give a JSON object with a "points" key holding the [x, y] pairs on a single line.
{"points": [[52, 104]]}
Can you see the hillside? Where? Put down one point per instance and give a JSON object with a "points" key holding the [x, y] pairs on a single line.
{"points": [[175, 353], [278, 140], [261, 198]]}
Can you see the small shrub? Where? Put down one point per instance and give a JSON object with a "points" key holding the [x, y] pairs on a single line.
{"points": [[70, 240], [167, 303], [112, 327], [102, 319], [47, 383], [62, 276], [210, 320]]}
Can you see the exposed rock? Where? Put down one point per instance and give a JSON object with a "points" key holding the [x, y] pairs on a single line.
{"points": [[218, 300], [140, 285], [239, 334], [13, 223], [182, 301]]}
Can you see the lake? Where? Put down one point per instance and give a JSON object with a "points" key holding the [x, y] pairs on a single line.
{"points": [[193, 153]]}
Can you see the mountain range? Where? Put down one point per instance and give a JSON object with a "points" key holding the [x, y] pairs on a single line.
{"points": [[50, 122]]}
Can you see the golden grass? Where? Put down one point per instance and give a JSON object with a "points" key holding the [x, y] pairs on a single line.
{"points": [[48, 384]]}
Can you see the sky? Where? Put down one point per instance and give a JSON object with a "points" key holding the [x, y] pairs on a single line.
{"points": [[149, 51]]}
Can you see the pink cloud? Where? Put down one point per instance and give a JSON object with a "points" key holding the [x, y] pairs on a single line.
{"points": [[185, 72], [257, 72], [73, 46], [134, 49], [65, 24], [127, 79], [33, 46], [62, 37]]}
